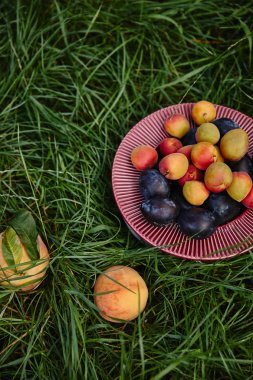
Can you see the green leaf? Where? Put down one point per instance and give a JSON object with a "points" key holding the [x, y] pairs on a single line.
{"points": [[25, 227], [12, 247]]}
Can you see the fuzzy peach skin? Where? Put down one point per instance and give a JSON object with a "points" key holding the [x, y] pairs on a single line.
{"points": [[36, 273], [120, 302]]}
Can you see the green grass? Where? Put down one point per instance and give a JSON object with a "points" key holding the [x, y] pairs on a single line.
{"points": [[75, 77]]}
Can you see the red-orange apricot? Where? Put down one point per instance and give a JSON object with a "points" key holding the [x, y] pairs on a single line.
{"points": [[192, 174], [169, 145], [177, 125], [174, 166], [248, 200], [203, 154], [186, 150], [144, 157]]}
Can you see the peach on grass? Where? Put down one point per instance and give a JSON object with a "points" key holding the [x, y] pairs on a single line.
{"points": [[195, 192], [207, 132], [169, 145], [203, 154], [240, 186], [174, 165], [218, 177], [177, 125], [192, 174], [144, 157], [120, 294], [24, 274], [234, 144], [203, 112]]}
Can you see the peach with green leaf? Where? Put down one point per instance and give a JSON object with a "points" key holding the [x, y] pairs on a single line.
{"points": [[24, 257]]}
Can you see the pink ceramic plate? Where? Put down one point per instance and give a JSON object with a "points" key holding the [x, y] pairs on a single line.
{"points": [[229, 240]]}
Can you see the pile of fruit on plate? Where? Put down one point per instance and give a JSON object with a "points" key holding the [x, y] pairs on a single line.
{"points": [[199, 177]]}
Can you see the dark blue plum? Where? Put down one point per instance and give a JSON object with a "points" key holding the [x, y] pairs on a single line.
{"points": [[223, 207], [179, 199], [224, 125], [160, 211], [197, 222], [189, 137], [244, 165], [153, 183]]}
